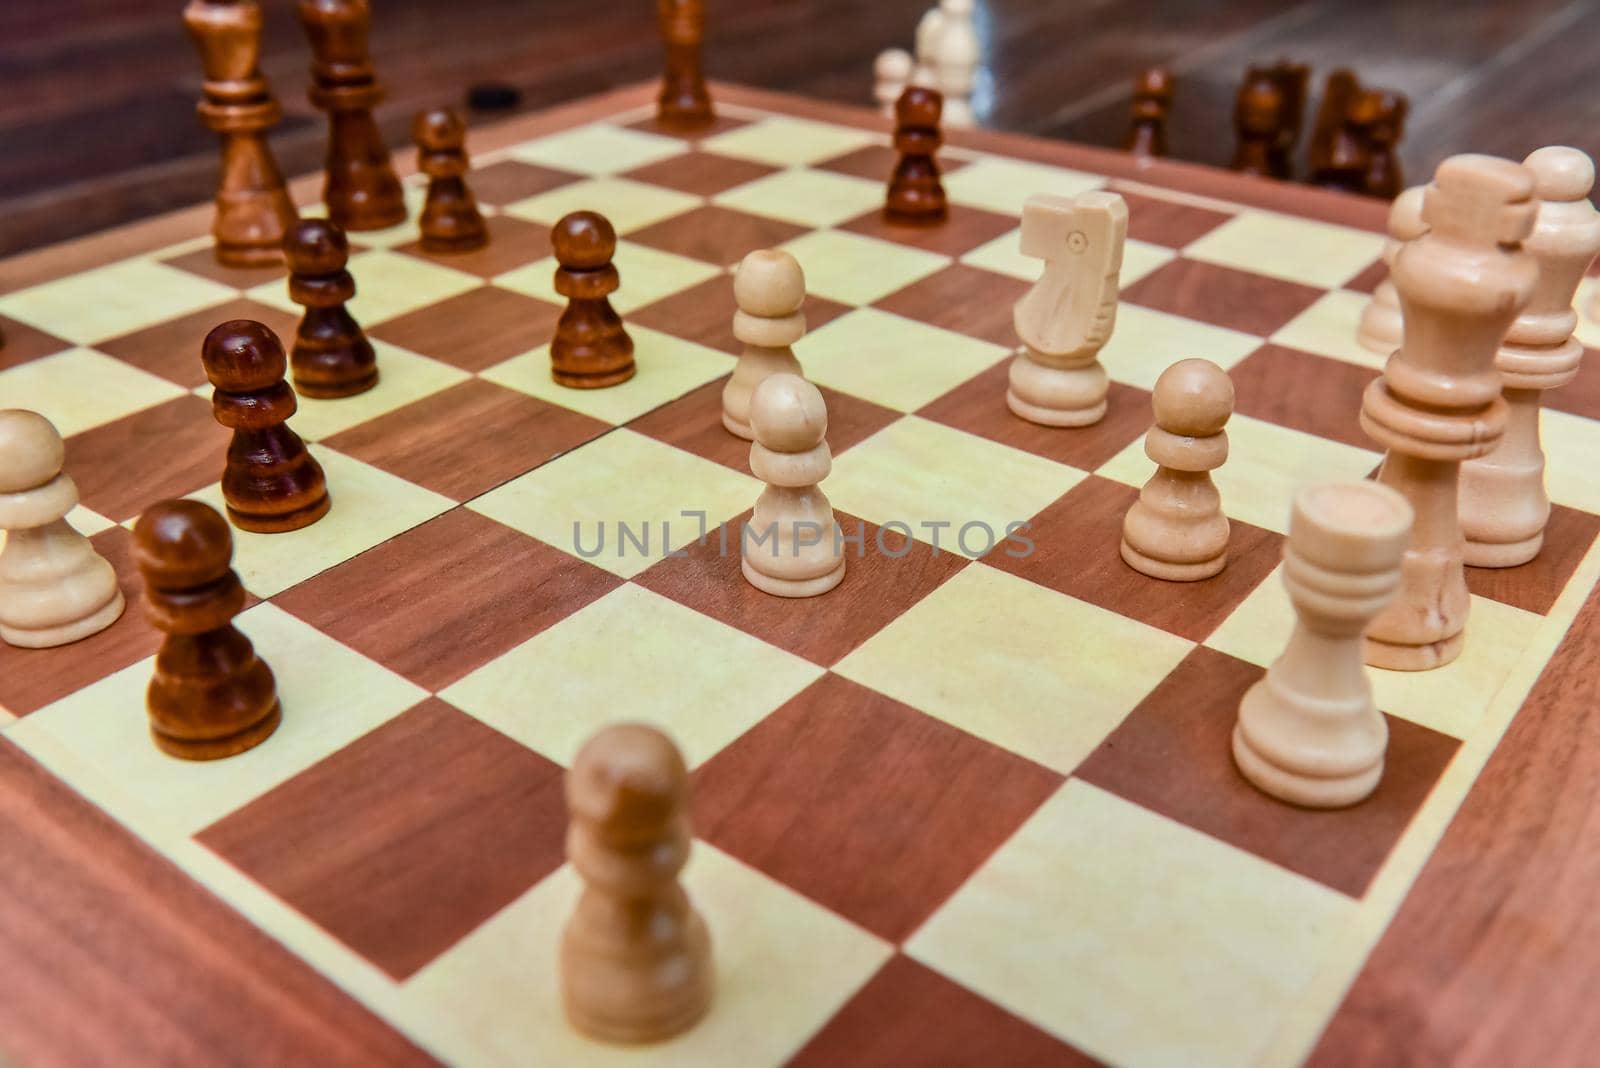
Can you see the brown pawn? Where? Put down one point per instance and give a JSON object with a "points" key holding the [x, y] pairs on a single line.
{"points": [[271, 483], [362, 191], [450, 221], [684, 102], [331, 357], [1152, 99], [253, 205], [591, 348], [210, 696], [635, 956], [1260, 115], [916, 195], [1379, 116]]}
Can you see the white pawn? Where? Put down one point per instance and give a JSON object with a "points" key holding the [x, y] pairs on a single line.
{"points": [[792, 547], [1176, 529], [891, 73], [1308, 731], [54, 587], [955, 61], [1381, 329], [769, 287], [924, 72]]}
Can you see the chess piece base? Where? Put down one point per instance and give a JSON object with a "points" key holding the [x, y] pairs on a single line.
{"points": [[596, 381], [780, 587], [283, 522], [468, 242], [1054, 417], [1395, 657], [1304, 790], [334, 390], [218, 748], [738, 429], [1171, 572], [1504, 554], [66, 633], [249, 255]]}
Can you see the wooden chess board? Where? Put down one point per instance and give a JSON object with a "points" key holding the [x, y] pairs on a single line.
{"points": [[968, 808]]}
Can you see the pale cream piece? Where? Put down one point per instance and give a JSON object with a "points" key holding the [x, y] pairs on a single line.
{"points": [[1308, 731], [955, 62], [1438, 402], [792, 547], [1504, 506], [1176, 530], [1068, 316], [769, 287], [1380, 327], [891, 73], [635, 960], [54, 587], [929, 27]]}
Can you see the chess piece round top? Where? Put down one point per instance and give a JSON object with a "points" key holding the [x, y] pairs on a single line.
{"points": [[1352, 527], [919, 106], [787, 414], [893, 65], [1193, 398], [438, 130], [1405, 214], [180, 544], [316, 246], [584, 240], [1562, 173], [1154, 82], [242, 355], [769, 283], [31, 451], [628, 778]]}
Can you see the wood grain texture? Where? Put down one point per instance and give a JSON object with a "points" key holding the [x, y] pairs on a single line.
{"points": [[1491, 960], [168, 975]]}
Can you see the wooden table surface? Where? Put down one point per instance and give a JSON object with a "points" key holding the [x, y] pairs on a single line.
{"points": [[99, 127]]}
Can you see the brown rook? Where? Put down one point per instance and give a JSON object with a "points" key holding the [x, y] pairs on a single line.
{"points": [[210, 696]]}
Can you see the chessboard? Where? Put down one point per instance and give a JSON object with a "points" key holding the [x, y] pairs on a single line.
{"points": [[973, 806]]}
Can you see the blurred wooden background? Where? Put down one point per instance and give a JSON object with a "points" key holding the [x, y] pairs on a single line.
{"points": [[98, 126]]}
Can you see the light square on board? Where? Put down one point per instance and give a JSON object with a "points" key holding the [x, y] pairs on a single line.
{"points": [[706, 683], [369, 507], [646, 274], [1571, 444], [1267, 464], [1003, 255], [1313, 253], [1588, 328], [783, 964], [403, 378], [920, 474], [852, 269], [1450, 699], [1172, 933], [891, 360], [804, 197], [1004, 185], [597, 149], [785, 142], [627, 205], [80, 389], [113, 300], [330, 696], [388, 284], [1328, 328], [574, 501], [1146, 342], [985, 652], [666, 368]]}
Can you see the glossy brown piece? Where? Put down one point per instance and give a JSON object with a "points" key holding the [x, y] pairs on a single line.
{"points": [[271, 482], [253, 205], [362, 191], [1332, 148], [450, 220], [636, 955], [916, 195], [591, 348], [1152, 99], [684, 102], [1260, 117], [1379, 117], [210, 696], [331, 356]]}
